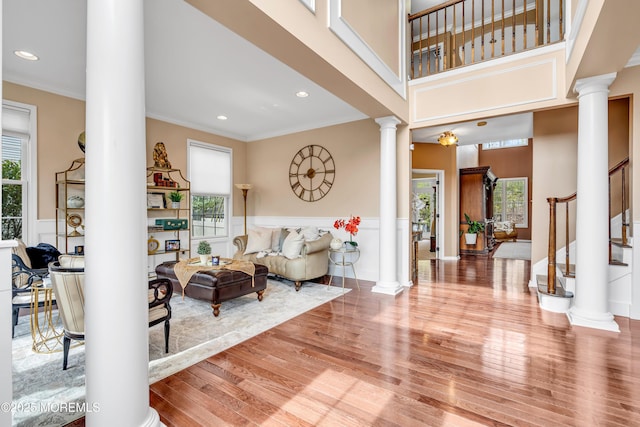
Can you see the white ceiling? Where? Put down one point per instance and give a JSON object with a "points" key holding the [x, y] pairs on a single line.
{"points": [[196, 69]]}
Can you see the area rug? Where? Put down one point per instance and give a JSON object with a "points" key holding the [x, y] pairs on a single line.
{"points": [[513, 250], [195, 335]]}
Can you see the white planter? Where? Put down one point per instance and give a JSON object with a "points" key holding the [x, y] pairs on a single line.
{"points": [[470, 238], [175, 205], [204, 259]]}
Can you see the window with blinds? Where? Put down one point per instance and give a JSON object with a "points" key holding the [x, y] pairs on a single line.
{"points": [[210, 176], [16, 134]]}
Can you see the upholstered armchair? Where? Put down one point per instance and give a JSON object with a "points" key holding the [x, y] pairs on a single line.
{"points": [[160, 292], [67, 279], [28, 270]]}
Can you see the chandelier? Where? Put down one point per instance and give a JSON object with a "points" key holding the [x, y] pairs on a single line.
{"points": [[447, 139]]}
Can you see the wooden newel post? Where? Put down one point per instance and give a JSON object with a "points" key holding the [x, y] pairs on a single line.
{"points": [[551, 266]]}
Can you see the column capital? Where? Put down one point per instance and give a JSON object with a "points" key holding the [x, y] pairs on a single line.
{"points": [[599, 83], [389, 122]]}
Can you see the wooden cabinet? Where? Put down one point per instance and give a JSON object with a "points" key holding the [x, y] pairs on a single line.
{"points": [[169, 224], [70, 185], [476, 200]]}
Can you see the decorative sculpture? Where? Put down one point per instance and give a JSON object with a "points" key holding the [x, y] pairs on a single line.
{"points": [[160, 157]]}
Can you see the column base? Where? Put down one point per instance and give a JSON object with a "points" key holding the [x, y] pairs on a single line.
{"points": [[603, 321], [152, 420], [388, 288]]}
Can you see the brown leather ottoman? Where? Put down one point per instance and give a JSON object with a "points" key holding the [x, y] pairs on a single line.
{"points": [[216, 286]]}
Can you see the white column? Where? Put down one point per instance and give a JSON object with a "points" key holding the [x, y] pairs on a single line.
{"points": [[6, 382], [116, 322], [388, 280], [591, 301]]}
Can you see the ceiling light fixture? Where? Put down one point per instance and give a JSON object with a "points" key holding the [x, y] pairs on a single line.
{"points": [[302, 94], [25, 55], [221, 117], [447, 139]]}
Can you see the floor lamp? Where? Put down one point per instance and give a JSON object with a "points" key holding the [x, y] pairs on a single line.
{"points": [[245, 189]]}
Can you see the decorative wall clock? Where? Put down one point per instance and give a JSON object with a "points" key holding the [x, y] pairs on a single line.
{"points": [[311, 173]]}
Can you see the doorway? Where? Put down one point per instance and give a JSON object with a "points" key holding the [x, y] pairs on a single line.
{"points": [[425, 213]]}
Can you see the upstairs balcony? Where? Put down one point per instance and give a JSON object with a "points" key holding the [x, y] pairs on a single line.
{"points": [[464, 32]]}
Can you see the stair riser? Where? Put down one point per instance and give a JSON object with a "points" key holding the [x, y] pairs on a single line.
{"points": [[554, 304]]}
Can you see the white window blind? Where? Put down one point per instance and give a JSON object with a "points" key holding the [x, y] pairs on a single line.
{"points": [[16, 119], [209, 169]]}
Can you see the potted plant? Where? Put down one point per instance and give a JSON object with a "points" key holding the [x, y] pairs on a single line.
{"points": [[204, 250], [175, 197], [474, 228], [350, 226]]}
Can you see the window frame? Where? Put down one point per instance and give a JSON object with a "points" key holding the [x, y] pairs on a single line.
{"points": [[525, 196], [507, 143], [228, 197], [29, 169]]}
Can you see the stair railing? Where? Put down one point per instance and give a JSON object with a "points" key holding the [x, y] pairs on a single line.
{"points": [[554, 201], [551, 256], [463, 32], [623, 193]]}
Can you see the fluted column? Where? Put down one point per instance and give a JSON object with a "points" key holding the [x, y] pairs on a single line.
{"points": [[591, 302], [116, 322], [388, 279]]}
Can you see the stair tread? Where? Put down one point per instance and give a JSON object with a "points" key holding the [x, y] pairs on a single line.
{"points": [[618, 242], [560, 291], [572, 270], [616, 262]]}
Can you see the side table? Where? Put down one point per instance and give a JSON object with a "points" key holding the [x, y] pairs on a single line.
{"points": [[344, 257], [46, 339]]}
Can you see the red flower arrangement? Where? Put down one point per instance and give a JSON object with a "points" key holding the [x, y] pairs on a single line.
{"points": [[350, 227]]}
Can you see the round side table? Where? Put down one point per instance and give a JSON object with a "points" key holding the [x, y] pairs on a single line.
{"points": [[344, 257]]}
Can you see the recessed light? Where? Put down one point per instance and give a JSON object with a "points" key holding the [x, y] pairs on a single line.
{"points": [[302, 94], [482, 123], [25, 55], [221, 117]]}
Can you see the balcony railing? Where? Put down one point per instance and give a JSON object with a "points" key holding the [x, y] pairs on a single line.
{"points": [[464, 32]]}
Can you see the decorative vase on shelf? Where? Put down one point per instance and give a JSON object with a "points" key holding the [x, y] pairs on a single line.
{"points": [[75, 202], [335, 244]]}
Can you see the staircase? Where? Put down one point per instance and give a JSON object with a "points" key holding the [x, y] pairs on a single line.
{"points": [[557, 288]]}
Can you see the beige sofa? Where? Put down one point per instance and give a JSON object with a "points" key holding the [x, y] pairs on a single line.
{"points": [[312, 262]]}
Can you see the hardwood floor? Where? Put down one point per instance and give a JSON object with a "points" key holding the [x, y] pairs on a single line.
{"points": [[466, 346]]}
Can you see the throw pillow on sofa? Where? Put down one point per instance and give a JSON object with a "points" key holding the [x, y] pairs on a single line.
{"points": [[310, 233], [258, 239], [283, 235], [292, 245]]}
